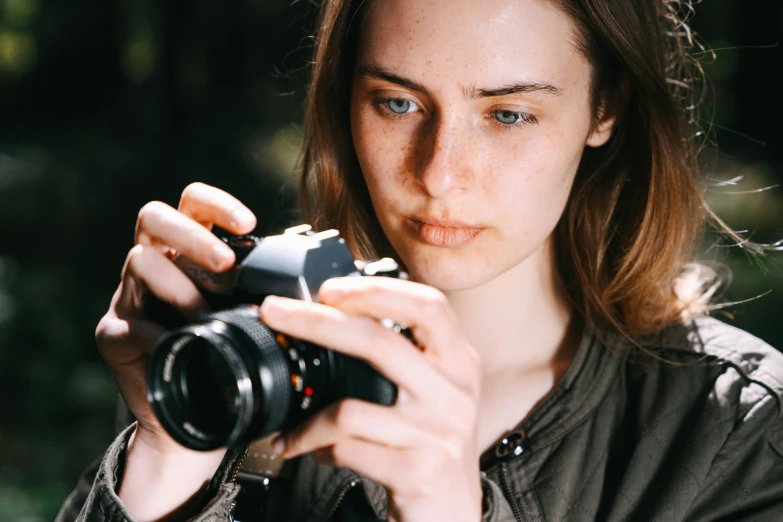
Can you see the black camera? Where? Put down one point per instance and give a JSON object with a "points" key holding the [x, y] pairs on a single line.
{"points": [[227, 379]]}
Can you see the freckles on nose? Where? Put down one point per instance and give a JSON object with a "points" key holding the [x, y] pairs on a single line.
{"points": [[448, 154]]}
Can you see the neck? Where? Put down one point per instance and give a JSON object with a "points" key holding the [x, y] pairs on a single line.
{"points": [[519, 321]]}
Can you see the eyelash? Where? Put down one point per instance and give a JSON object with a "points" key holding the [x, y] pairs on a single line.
{"points": [[526, 119]]}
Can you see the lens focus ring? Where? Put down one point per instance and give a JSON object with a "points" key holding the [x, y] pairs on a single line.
{"points": [[275, 399]]}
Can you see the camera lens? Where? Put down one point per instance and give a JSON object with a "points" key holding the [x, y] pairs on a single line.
{"points": [[199, 387], [220, 381], [207, 384], [228, 380]]}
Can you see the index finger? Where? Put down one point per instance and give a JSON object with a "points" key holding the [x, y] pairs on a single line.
{"points": [[423, 309], [210, 205]]}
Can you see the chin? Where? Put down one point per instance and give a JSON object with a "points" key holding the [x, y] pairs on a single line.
{"points": [[449, 272]]}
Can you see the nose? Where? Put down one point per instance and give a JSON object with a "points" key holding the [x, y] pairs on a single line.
{"points": [[444, 165]]}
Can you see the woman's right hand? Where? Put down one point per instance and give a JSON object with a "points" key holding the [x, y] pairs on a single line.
{"points": [[125, 336]]}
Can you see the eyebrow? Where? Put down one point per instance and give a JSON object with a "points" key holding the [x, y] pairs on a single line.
{"points": [[376, 71]]}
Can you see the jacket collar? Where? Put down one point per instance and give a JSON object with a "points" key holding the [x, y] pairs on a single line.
{"points": [[581, 389]]}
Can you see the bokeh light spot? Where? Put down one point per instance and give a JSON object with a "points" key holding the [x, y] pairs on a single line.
{"points": [[138, 62], [19, 13], [18, 52]]}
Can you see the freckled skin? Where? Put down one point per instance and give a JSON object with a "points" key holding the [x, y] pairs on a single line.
{"points": [[449, 156]]}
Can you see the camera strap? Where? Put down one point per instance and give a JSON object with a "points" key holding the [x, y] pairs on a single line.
{"points": [[260, 470], [261, 459]]}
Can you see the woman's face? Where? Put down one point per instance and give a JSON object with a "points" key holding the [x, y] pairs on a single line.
{"points": [[469, 120]]}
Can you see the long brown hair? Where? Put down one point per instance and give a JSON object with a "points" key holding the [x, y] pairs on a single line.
{"points": [[636, 212]]}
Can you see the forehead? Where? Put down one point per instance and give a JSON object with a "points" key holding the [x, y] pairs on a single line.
{"points": [[472, 41]]}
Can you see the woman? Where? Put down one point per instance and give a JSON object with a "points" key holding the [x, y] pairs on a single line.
{"points": [[529, 164]]}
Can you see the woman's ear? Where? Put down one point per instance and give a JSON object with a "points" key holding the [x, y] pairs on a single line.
{"points": [[602, 131], [611, 106]]}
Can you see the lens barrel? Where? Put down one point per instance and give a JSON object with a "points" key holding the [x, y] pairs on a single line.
{"points": [[227, 380], [219, 382]]}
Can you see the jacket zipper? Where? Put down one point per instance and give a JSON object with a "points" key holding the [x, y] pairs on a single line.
{"points": [[239, 465], [507, 492], [340, 498], [233, 480], [513, 445]]}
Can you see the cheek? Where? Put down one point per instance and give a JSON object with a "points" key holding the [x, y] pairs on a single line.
{"points": [[529, 181], [385, 154], [548, 158]]}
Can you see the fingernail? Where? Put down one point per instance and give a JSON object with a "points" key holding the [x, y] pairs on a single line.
{"points": [[242, 218], [220, 255], [278, 445]]}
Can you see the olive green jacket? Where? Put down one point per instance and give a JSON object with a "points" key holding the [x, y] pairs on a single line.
{"points": [[690, 428]]}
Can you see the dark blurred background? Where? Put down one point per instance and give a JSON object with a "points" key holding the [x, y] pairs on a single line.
{"points": [[105, 105]]}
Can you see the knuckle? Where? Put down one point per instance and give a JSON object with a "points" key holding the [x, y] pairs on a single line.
{"points": [[148, 214], [372, 329], [148, 210], [425, 469], [345, 414], [449, 448], [102, 330], [434, 301], [192, 191], [108, 331], [132, 260], [137, 255], [136, 251]]}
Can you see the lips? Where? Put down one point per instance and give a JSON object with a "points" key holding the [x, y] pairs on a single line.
{"points": [[443, 233], [447, 223]]}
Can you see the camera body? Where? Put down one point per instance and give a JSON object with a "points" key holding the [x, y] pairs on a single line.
{"points": [[226, 378]]}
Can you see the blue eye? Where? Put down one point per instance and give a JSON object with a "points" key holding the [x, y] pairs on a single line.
{"points": [[510, 117], [399, 105]]}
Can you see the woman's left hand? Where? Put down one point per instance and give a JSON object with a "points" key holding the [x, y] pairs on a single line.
{"points": [[424, 448]]}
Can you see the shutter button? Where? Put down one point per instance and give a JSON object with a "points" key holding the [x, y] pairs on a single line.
{"points": [[513, 445]]}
